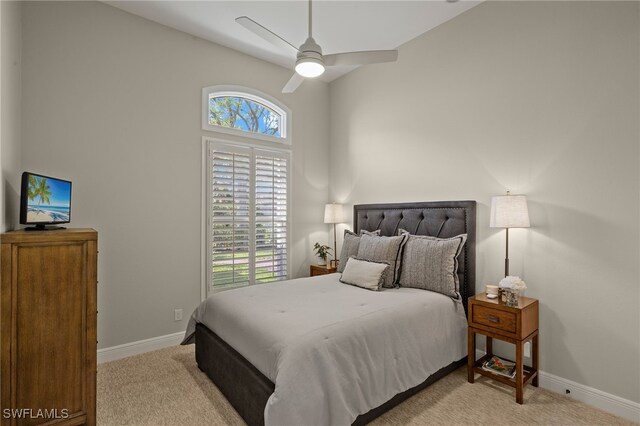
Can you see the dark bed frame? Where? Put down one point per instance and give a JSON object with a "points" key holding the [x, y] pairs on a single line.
{"points": [[248, 390]]}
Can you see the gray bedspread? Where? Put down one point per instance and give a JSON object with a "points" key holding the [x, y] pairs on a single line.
{"points": [[335, 351]]}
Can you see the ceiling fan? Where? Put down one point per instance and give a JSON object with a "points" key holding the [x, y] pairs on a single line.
{"points": [[310, 61]]}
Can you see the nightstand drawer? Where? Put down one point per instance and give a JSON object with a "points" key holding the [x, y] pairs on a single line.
{"points": [[494, 318]]}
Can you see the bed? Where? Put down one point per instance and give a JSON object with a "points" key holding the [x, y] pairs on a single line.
{"points": [[309, 335]]}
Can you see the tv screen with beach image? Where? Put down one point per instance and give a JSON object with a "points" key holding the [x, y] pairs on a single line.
{"points": [[49, 200]]}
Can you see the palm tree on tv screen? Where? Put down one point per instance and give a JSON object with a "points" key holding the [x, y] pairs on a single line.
{"points": [[33, 187], [40, 189]]}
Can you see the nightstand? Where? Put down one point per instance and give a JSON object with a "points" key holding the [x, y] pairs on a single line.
{"points": [[516, 325], [321, 270]]}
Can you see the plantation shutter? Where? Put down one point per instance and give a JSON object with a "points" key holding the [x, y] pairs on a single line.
{"points": [[248, 215], [271, 217]]}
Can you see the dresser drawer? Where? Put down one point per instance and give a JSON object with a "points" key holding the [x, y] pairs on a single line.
{"points": [[494, 318]]}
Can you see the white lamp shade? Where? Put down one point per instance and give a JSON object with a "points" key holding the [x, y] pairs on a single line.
{"points": [[333, 213], [509, 211]]}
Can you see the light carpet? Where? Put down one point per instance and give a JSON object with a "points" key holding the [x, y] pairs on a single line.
{"points": [[165, 387]]}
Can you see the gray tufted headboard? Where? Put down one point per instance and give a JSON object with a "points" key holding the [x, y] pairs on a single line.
{"points": [[442, 219]]}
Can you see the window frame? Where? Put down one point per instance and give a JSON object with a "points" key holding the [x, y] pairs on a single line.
{"points": [[208, 143], [253, 95]]}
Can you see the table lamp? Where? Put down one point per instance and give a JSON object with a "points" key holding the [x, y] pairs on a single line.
{"points": [[333, 214], [509, 211]]}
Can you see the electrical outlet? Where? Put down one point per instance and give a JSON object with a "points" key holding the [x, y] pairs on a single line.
{"points": [[177, 314], [527, 349]]}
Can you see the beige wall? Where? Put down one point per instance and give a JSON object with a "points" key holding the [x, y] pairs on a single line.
{"points": [[112, 102], [10, 109], [540, 98]]}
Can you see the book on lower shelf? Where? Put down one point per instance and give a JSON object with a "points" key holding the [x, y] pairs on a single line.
{"points": [[500, 366]]}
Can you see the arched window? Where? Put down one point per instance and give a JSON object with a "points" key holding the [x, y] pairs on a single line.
{"points": [[245, 112]]}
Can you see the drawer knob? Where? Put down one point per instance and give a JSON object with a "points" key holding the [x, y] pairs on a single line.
{"points": [[493, 318]]}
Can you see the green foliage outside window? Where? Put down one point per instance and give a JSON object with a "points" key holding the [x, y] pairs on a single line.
{"points": [[244, 114]]}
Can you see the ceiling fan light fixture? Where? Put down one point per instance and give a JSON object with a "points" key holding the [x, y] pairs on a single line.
{"points": [[309, 67]]}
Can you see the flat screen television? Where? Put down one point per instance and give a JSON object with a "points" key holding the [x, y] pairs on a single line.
{"points": [[44, 200]]}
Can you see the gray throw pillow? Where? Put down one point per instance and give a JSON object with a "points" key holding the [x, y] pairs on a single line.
{"points": [[364, 273], [431, 263], [383, 249], [350, 245]]}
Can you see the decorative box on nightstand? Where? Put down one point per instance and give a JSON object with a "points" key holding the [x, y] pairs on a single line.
{"points": [[517, 325], [321, 270]]}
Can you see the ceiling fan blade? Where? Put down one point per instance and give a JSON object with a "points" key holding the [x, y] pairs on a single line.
{"points": [[361, 58], [266, 34], [293, 83]]}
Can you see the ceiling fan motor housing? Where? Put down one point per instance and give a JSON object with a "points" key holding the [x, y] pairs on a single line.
{"points": [[310, 49], [310, 62]]}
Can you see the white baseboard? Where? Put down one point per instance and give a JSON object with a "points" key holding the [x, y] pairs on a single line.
{"points": [[605, 401], [141, 346]]}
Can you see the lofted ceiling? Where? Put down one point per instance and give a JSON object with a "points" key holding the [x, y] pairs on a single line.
{"points": [[338, 26]]}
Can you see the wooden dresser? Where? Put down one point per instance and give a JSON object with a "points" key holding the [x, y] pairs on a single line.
{"points": [[48, 327]]}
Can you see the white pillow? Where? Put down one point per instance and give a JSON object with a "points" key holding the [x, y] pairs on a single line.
{"points": [[364, 273]]}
